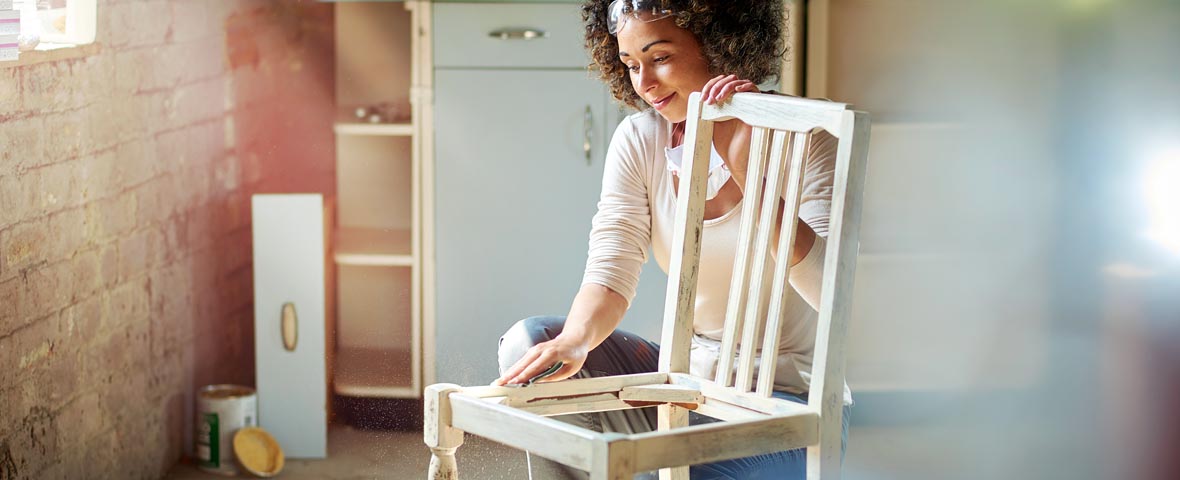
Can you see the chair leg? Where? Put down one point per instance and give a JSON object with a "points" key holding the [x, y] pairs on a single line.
{"points": [[442, 464], [817, 468], [438, 434], [672, 417], [609, 461], [823, 458]]}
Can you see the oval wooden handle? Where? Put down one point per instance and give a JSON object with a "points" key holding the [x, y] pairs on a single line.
{"points": [[289, 326]]}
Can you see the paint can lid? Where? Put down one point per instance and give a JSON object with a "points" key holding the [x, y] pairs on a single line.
{"points": [[258, 452], [225, 391]]}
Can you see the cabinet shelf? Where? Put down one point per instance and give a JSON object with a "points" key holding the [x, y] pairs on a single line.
{"points": [[375, 129], [373, 247], [374, 372]]}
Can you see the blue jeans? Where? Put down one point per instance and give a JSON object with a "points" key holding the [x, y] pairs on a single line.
{"points": [[625, 353]]}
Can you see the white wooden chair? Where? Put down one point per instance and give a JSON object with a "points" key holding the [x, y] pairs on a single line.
{"points": [[755, 422]]}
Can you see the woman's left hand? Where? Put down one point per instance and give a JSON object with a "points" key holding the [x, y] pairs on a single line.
{"points": [[722, 87], [731, 138]]}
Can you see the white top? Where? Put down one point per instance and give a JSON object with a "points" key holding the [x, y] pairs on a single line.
{"points": [[637, 209], [718, 171]]}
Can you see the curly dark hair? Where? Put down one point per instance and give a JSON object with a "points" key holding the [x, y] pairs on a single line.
{"points": [[743, 38]]}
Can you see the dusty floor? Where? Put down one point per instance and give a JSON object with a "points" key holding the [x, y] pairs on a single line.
{"points": [[356, 454], [884, 443]]}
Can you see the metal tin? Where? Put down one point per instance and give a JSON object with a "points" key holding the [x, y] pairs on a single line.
{"points": [[221, 411]]}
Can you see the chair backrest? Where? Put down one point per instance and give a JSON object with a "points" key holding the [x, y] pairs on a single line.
{"points": [[778, 152]]}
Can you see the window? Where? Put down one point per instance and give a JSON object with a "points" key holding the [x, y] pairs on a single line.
{"points": [[56, 23]]}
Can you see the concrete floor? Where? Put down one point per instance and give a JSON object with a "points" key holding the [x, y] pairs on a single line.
{"points": [[886, 442], [356, 454]]}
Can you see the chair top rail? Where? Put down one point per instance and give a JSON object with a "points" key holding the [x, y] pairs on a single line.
{"points": [[777, 112]]}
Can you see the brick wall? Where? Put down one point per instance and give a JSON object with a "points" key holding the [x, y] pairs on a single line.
{"points": [[126, 171]]}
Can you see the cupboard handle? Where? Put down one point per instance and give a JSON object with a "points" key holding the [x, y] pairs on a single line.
{"points": [[289, 324], [587, 132], [518, 34]]}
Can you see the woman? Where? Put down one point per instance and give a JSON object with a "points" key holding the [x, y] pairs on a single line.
{"points": [[655, 54]]}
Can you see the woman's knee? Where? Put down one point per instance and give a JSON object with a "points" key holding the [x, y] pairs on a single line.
{"points": [[524, 334]]}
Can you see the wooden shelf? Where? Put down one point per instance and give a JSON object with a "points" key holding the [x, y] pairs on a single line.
{"points": [[373, 247], [372, 372], [375, 129]]}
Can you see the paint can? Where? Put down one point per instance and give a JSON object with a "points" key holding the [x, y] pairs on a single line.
{"points": [[221, 411]]}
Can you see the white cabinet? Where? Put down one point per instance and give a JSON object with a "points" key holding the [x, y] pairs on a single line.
{"points": [[290, 311], [515, 186]]}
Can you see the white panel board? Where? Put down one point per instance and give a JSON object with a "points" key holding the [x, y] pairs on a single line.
{"points": [[289, 267]]}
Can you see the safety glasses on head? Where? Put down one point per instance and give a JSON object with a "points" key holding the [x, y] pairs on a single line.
{"points": [[621, 11]]}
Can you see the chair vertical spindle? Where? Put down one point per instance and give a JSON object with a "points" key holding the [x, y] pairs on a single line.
{"points": [[782, 267], [735, 309], [755, 310]]}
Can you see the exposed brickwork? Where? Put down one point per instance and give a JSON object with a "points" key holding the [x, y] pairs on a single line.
{"points": [[125, 183]]}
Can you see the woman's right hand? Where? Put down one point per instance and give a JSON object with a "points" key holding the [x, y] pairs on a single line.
{"points": [[569, 351]]}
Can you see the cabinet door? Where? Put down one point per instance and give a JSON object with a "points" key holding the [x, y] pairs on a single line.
{"points": [[515, 196], [290, 369]]}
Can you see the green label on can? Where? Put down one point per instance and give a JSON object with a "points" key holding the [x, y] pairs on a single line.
{"points": [[208, 438]]}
